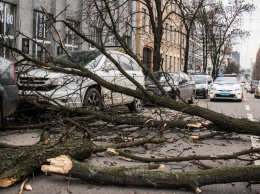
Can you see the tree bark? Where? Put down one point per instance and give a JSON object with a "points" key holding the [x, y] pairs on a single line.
{"points": [[143, 176], [17, 163]]}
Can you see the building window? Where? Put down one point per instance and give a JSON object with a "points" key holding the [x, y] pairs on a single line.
{"points": [[150, 28], [166, 62], [7, 27], [166, 32], [174, 38], [147, 54], [171, 34], [178, 61], [170, 65], [95, 35], [41, 35], [174, 64], [144, 20], [72, 40]]}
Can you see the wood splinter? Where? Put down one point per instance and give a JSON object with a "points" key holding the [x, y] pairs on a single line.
{"points": [[61, 165]]}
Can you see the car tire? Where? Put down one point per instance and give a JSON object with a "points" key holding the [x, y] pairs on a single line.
{"points": [[206, 94], [211, 99], [239, 100], [92, 99], [136, 105], [191, 101]]}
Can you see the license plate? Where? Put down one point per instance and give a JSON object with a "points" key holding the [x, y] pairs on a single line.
{"points": [[224, 93]]}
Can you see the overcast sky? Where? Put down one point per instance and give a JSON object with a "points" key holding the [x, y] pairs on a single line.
{"points": [[249, 46]]}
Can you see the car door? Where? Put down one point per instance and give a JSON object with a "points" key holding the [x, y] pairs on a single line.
{"points": [[132, 69], [111, 74], [183, 86]]}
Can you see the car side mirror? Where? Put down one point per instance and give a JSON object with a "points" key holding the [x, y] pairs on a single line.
{"points": [[183, 81]]}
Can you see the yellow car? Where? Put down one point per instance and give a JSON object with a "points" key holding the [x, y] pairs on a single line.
{"points": [[257, 90]]}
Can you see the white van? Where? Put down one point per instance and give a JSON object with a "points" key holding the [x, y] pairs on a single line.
{"points": [[202, 83]]}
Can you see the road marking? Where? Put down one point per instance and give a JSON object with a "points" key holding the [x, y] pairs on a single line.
{"points": [[247, 107], [250, 116], [254, 139]]}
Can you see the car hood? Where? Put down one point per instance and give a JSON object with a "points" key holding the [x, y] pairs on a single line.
{"points": [[42, 73], [225, 86]]}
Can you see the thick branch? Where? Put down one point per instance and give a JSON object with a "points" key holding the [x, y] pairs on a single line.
{"points": [[142, 176]]}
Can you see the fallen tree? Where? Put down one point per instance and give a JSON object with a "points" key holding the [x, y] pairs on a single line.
{"points": [[18, 163], [145, 176]]}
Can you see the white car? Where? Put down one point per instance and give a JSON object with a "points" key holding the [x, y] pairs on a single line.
{"points": [[226, 88], [76, 91], [202, 83]]}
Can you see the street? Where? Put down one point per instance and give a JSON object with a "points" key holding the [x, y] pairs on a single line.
{"points": [[248, 108]]}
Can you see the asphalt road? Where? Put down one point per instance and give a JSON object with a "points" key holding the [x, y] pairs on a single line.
{"points": [[54, 184]]}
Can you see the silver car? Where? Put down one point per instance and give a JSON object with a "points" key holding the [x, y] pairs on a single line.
{"points": [[75, 91], [9, 94], [176, 84]]}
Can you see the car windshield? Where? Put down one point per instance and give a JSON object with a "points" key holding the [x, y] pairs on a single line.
{"points": [[200, 79], [88, 59], [255, 83], [226, 80]]}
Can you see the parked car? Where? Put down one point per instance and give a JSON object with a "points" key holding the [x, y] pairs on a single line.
{"points": [[9, 93], [202, 83], [176, 84], [226, 88], [248, 88], [257, 90], [253, 85], [76, 91]]}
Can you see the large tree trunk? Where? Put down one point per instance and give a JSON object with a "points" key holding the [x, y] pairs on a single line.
{"points": [[143, 176], [17, 163]]}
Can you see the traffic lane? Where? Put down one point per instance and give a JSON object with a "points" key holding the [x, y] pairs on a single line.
{"points": [[228, 107], [252, 106]]}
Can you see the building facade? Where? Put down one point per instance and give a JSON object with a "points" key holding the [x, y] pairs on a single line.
{"points": [[173, 40], [23, 24]]}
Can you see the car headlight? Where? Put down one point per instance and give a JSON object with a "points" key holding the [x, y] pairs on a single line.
{"points": [[167, 88], [60, 81], [213, 88]]}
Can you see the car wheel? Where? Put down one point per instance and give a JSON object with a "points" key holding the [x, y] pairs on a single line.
{"points": [[92, 99], [206, 94], [191, 101], [136, 105], [239, 100], [211, 99]]}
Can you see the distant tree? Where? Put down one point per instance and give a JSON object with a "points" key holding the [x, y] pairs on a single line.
{"points": [[232, 67], [221, 26], [256, 69]]}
